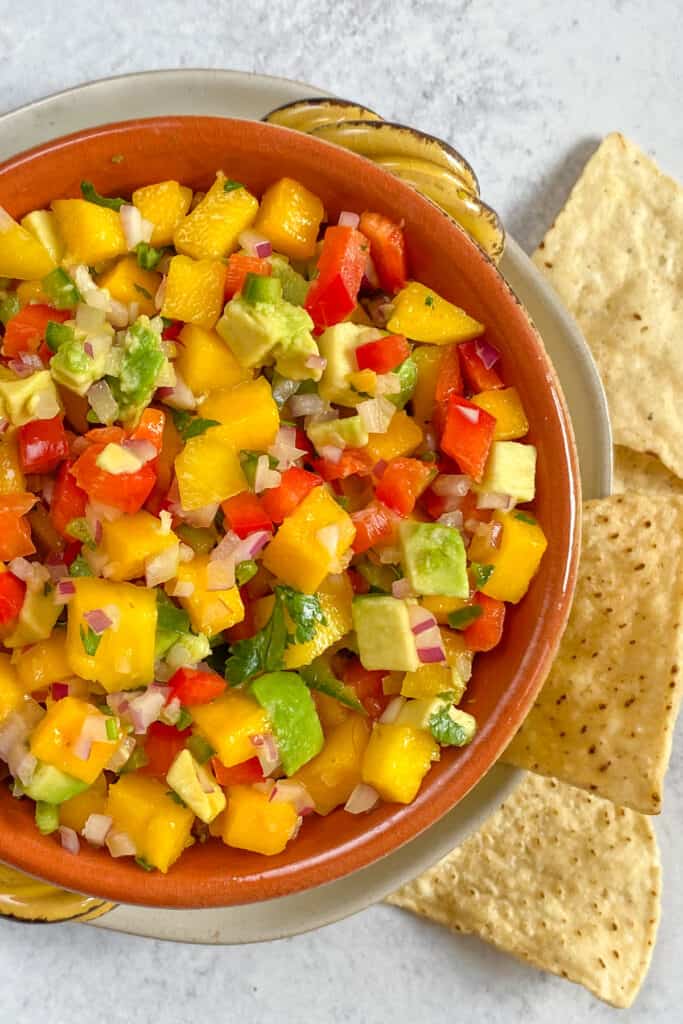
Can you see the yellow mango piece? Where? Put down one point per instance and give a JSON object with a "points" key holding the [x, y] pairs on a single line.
{"points": [[331, 777], [330, 712], [43, 663], [303, 551], [396, 760], [210, 611], [75, 812], [91, 233], [441, 607], [54, 737], [194, 291], [248, 412], [253, 822], [127, 282], [290, 217], [160, 828], [21, 254], [430, 681], [31, 291], [164, 205], [11, 692], [210, 231], [516, 561], [506, 406], [422, 315], [205, 362], [11, 474], [228, 722], [43, 226], [402, 437], [129, 541], [428, 359], [208, 469], [125, 655]]}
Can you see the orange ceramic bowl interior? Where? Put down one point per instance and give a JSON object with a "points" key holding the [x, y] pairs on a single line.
{"points": [[121, 157]]}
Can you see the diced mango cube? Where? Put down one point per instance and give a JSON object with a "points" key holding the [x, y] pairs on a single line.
{"points": [[164, 205], [403, 436], [422, 315], [42, 224], [124, 658], [55, 736], [194, 291], [431, 680], [91, 233], [228, 723], [21, 254], [129, 541], [210, 231], [75, 812], [290, 217], [42, 663], [210, 611], [205, 362], [428, 359], [127, 282], [11, 692], [331, 777], [248, 412], [208, 469], [311, 542], [516, 561], [506, 406], [253, 822], [441, 607], [11, 474], [330, 711], [159, 827], [396, 760]]}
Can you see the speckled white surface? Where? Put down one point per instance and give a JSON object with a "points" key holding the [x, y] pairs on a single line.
{"points": [[525, 89]]}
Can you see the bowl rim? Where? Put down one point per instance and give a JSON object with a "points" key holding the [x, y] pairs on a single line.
{"points": [[408, 821]]}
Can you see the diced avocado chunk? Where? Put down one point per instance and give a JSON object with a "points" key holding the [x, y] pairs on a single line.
{"points": [[53, 786], [347, 433], [28, 398], [338, 346], [418, 713], [142, 363], [451, 727], [294, 285], [47, 818], [510, 469], [380, 577], [74, 367], [196, 787], [384, 635], [260, 333], [407, 375], [295, 722], [433, 559], [37, 617]]}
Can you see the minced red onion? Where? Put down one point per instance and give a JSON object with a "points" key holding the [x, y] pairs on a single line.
{"points": [[363, 798], [160, 294], [305, 405], [226, 549], [487, 352], [145, 451], [145, 709], [255, 244], [59, 691], [431, 655], [120, 844], [25, 364], [97, 828], [284, 449], [389, 555], [331, 453], [379, 468], [370, 276], [201, 517], [135, 228], [4, 424], [348, 219], [451, 484], [185, 553], [454, 519], [118, 315], [252, 545], [392, 711], [288, 791], [494, 500], [69, 839], [469, 414], [121, 754], [316, 362], [379, 310], [24, 768], [171, 712], [58, 570], [490, 533], [98, 620], [402, 589], [179, 396], [266, 751], [265, 478], [33, 574], [162, 567], [81, 747], [283, 389], [118, 701], [64, 591], [94, 523]]}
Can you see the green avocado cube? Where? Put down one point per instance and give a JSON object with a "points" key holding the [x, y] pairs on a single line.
{"points": [[52, 786], [338, 345], [433, 558], [293, 716], [346, 433], [384, 634]]}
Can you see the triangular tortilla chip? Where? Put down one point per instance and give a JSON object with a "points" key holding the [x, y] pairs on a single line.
{"points": [[643, 473]]}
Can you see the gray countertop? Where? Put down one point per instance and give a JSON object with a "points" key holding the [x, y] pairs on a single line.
{"points": [[525, 89]]}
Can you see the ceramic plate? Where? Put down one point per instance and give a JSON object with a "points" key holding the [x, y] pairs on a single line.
{"points": [[237, 94]]}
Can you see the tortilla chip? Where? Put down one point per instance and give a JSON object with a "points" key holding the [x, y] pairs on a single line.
{"points": [[615, 257], [605, 717], [559, 878], [638, 471]]}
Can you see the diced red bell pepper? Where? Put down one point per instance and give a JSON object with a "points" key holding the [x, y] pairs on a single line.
{"points": [[334, 292], [68, 500], [12, 592], [171, 332], [303, 442], [195, 686], [245, 629], [485, 632], [71, 551], [368, 687], [359, 583], [127, 491], [239, 265], [245, 513], [468, 435], [384, 354], [150, 428], [475, 373], [448, 382], [353, 460], [25, 332], [105, 435], [240, 774], [162, 745], [388, 250], [279, 502], [42, 445], [402, 483], [15, 530], [374, 524]]}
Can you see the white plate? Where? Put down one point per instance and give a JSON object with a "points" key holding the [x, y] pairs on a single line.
{"points": [[237, 94]]}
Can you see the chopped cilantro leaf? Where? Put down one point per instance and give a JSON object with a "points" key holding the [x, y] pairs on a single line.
{"points": [[465, 616], [184, 720], [79, 567], [429, 301], [169, 616], [200, 749], [175, 798], [89, 192], [481, 574], [144, 864], [142, 291], [90, 640], [79, 530], [191, 426], [318, 676], [245, 571], [229, 185], [447, 732], [148, 257], [524, 517]]}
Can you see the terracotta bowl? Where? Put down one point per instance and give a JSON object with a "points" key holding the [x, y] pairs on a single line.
{"points": [[120, 157]]}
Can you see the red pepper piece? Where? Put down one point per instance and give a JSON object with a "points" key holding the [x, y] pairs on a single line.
{"points": [[388, 250], [245, 514], [384, 354], [68, 500], [475, 373], [402, 483], [195, 686], [279, 502], [485, 632], [12, 591], [42, 444], [26, 331], [334, 292], [468, 435]]}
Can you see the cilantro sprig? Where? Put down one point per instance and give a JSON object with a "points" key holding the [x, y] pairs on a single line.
{"points": [[90, 640], [447, 732], [89, 192], [189, 426]]}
